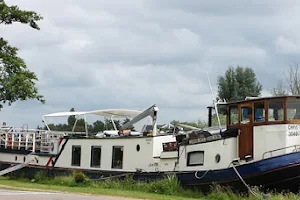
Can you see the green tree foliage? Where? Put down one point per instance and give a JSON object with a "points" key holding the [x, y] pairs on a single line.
{"points": [[215, 120], [97, 126], [109, 125], [238, 83], [58, 127], [71, 119], [197, 124], [80, 124], [127, 120], [16, 81]]}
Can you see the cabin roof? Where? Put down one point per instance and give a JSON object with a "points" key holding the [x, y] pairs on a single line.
{"points": [[250, 99], [116, 113]]}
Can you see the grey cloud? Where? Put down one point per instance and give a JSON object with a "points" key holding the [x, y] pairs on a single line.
{"points": [[232, 7], [131, 54]]}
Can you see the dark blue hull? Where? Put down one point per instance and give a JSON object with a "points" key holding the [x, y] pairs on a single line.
{"points": [[279, 173]]}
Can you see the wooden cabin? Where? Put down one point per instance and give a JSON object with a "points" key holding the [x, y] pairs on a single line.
{"points": [[255, 118]]}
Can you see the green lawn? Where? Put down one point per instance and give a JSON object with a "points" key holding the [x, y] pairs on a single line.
{"points": [[160, 190], [23, 185]]}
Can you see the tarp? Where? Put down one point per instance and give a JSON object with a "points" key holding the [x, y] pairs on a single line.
{"points": [[115, 113]]}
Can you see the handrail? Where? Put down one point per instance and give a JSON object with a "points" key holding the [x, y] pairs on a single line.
{"points": [[13, 139], [295, 150]]}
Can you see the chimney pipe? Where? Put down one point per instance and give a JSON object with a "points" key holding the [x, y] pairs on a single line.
{"points": [[210, 116]]}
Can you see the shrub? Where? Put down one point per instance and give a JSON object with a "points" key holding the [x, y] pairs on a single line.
{"points": [[79, 177]]}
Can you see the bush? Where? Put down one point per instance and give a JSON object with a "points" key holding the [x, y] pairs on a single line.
{"points": [[79, 177]]}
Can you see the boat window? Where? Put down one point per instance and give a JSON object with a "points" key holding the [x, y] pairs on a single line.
{"points": [[117, 157], [276, 110], [293, 109], [246, 113], [233, 115], [76, 155], [95, 156], [259, 112], [195, 158]]}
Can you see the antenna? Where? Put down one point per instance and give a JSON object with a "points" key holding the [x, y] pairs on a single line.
{"points": [[215, 104]]}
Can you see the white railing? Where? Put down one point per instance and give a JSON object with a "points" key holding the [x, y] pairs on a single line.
{"points": [[18, 139], [47, 137], [295, 148]]}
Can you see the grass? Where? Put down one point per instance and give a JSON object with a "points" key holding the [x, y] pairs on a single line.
{"points": [[166, 189]]}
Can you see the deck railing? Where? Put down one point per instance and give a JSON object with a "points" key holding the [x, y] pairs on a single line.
{"points": [[295, 149], [35, 141]]}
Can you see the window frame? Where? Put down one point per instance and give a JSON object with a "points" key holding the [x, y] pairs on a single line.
{"points": [[229, 115], [291, 121], [284, 111], [265, 112], [73, 156], [113, 157], [248, 105], [91, 163], [188, 159]]}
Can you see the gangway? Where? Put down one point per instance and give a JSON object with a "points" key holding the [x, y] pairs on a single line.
{"points": [[17, 167]]}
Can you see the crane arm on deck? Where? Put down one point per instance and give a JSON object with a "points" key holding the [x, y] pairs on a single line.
{"points": [[152, 112]]}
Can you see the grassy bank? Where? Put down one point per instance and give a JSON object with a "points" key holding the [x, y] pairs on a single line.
{"points": [[165, 189]]}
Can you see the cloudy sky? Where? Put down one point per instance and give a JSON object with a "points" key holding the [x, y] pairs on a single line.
{"points": [[98, 54]]}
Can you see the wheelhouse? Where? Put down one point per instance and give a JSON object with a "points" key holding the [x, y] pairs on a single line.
{"points": [[257, 118]]}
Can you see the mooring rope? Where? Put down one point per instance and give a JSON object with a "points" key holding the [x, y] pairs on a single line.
{"points": [[197, 177], [247, 186]]}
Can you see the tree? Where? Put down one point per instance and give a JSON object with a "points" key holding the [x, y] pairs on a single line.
{"points": [[215, 121], [292, 80], [71, 119], [109, 125], [197, 124], [238, 83], [128, 120], [280, 90], [98, 126], [16, 81]]}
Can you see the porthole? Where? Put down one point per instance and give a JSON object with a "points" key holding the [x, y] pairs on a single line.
{"points": [[138, 147], [218, 158], [16, 158]]}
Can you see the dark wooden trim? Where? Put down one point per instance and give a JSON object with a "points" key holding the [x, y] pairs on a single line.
{"points": [[266, 106], [285, 110], [266, 110], [263, 98], [293, 122], [253, 109]]}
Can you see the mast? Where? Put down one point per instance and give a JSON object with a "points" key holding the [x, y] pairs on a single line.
{"points": [[214, 102]]}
